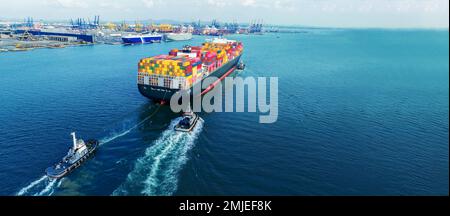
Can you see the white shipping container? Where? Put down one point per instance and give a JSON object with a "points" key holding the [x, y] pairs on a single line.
{"points": [[190, 55], [175, 84]]}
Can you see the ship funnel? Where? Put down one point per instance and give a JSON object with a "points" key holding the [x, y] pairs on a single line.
{"points": [[74, 140]]}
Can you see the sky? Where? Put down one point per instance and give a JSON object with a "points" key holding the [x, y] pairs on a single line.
{"points": [[319, 13]]}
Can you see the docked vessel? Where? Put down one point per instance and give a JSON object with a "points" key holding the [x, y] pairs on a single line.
{"points": [[178, 36], [141, 38], [162, 76], [78, 153]]}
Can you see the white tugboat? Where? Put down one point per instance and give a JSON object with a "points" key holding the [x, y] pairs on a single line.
{"points": [[187, 123], [240, 66], [78, 153]]}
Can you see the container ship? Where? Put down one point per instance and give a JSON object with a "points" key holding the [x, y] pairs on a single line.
{"points": [[142, 38], [162, 76]]}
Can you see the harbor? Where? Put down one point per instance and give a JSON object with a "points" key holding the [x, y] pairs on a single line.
{"points": [[29, 35], [223, 98], [330, 100]]}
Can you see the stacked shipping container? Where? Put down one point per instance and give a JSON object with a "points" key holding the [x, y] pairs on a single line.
{"points": [[182, 68]]}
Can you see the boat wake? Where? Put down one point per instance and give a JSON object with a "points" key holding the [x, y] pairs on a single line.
{"points": [[156, 173], [41, 187], [45, 186]]}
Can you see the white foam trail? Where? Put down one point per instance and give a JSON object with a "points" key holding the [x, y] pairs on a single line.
{"points": [[158, 169], [59, 183], [24, 190], [40, 187], [48, 189], [49, 186]]}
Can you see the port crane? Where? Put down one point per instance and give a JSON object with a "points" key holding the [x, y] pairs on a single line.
{"points": [[256, 26], [80, 23]]}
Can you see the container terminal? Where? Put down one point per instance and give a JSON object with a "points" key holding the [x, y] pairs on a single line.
{"points": [[30, 34]]}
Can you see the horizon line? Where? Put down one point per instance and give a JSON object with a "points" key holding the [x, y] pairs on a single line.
{"points": [[3, 19]]}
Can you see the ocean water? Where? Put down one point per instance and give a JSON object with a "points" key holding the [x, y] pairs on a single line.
{"points": [[361, 112]]}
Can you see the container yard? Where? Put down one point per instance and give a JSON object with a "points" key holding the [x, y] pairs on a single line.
{"points": [[24, 43], [29, 35]]}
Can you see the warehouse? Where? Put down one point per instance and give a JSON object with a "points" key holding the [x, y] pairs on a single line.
{"points": [[62, 38]]}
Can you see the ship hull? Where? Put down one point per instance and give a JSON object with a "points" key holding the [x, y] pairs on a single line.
{"points": [[179, 37], [162, 94], [141, 39], [66, 168]]}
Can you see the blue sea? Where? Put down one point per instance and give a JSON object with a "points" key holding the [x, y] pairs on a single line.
{"points": [[361, 112]]}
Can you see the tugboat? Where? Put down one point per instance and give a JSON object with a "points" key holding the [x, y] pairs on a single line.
{"points": [[187, 123], [78, 153], [240, 66]]}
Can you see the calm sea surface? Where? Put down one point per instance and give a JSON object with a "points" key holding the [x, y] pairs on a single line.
{"points": [[361, 112]]}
